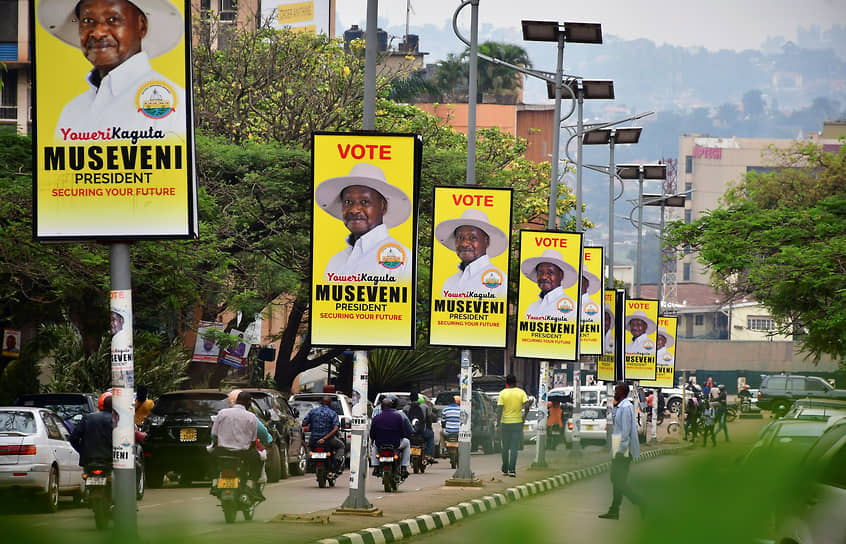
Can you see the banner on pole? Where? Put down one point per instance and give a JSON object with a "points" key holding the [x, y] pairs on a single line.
{"points": [[11, 343], [364, 239], [470, 261], [641, 339], [547, 310], [113, 153], [665, 356], [591, 302], [206, 350]]}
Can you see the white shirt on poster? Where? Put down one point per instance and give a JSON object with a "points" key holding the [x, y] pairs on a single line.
{"points": [[478, 277], [374, 253], [591, 311], [115, 103], [642, 345], [556, 305]]}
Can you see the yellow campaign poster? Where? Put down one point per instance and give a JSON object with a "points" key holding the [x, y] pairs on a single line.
{"points": [[591, 301], [113, 152], [666, 355], [605, 364], [641, 339], [470, 267], [547, 311], [364, 243]]}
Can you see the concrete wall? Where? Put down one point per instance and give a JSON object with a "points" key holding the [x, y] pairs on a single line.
{"points": [[753, 356]]}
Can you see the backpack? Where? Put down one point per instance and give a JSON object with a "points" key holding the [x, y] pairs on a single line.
{"points": [[415, 412]]}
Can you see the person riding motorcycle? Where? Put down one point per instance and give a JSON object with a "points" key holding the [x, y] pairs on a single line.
{"points": [[417, 408], [554, 423], [323, 424], [391, 427], [92, 437], [234, 432]]}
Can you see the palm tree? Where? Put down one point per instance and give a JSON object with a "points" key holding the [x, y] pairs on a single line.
{"points": [[498, 79]]}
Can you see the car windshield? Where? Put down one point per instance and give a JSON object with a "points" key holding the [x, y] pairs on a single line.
{"points": [[533, 415], [67, 406], [303, 407], [17, 422], [594, 398], [193, 404]]}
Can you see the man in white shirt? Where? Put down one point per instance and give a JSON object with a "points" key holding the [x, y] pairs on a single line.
{"points": [[591, 310], [609, 332], [665, 340], [475, 241], [369, 206], [235, 430], [641, 327], [552, 275], [127, 99]]}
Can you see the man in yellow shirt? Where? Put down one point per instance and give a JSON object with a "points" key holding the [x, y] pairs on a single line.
{"points": [[511, 410]]}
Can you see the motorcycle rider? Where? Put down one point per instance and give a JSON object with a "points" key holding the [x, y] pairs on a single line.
{"points": [[417, 408], [390, 427], [234, 432], [554, 423], [451, 417], [92, 437], [323, 424]]}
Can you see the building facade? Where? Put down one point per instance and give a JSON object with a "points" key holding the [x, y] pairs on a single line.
{"points": [[15, 51]]}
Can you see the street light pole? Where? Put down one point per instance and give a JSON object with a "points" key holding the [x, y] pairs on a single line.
{"points": [[639, 230]]}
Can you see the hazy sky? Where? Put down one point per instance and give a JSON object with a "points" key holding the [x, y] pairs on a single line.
{"points": [[713, 24]]}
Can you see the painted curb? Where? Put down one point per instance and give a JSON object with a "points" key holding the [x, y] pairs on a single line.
{"points": [[424, 523]]}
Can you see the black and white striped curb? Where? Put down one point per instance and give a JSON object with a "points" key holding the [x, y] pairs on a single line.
{"points": [[393, 532]]}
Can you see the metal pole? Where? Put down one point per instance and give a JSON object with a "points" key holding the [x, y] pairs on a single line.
{"points": [[639, 230], [654, 433], [579, 132], [123, 383], [612, 177], [543, 385], [661, 251], [684, 400], [552, 219], [465, 433], [357, 500], [576, 450]]}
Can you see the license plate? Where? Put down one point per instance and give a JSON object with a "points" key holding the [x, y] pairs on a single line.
{"points": [[188, 435], [96, 480], [227, 483], [416, 451], [452, 444], [319, 455], [588, 427], [386, 459]]}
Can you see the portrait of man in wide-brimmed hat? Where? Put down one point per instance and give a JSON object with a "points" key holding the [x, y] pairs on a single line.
{"points": [[118, 38], [665, 340], [368, 206], [553, 275], [475, 241], [640, 326]]}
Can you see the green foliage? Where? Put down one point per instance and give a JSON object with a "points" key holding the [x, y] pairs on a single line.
{"points": [[781, 239], [389, 369]]}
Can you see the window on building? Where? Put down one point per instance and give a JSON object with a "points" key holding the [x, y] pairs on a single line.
{"points": [[688, 187], [687, 249], [760, 323], [688, 164], [9, 94], [228, 10], [686, 272], [699, 320], [9, 22], [688, 216]]}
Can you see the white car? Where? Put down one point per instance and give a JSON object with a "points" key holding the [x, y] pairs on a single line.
{"points": [[530, 426], [591, 426], [36, 455]]}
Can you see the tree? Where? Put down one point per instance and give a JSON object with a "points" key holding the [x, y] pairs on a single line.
{"points": [[753, 103], [780, 238]]}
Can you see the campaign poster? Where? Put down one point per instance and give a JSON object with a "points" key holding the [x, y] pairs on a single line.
{"points": [[548, 293], [364, 239], [591, 301], [113, 153], [311, 16], [236, 356], [11, 343], [206, 350], [470, 261], [640, 336], [665, 357], [609, 366], [122, 350]]}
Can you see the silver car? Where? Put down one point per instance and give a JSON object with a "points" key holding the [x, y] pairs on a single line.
{"points": [[36, 456]]}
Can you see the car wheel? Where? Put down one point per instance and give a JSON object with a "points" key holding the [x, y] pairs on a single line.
{"points": [[674, 406], [51, 499], [273, 464], [285, 470], [298, 467]]}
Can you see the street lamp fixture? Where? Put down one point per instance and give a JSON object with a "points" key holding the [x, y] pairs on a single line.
{"points": [[549, 31], [592, 89], [670, 201]]}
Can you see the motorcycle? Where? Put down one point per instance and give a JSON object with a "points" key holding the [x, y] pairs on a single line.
{"points": [[98, 491], [320, 462], [231, 487], [418, 460], [389, 464], [452, 449]]}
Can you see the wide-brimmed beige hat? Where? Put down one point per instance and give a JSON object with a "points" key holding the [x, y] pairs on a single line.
{"points": [[328, 193], [640, 314], [594, 283], [165, 25], [445, 231], [552, 256], [670, 340]]}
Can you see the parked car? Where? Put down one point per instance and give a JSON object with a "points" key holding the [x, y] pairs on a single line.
{"points": [[302, 408], [784, 441], [777, 393], [178, 431], [530, 426], [342, 405], [69, 406], [483, 421], [36, 456], [589, 395], [816, 409], [291, 452]]}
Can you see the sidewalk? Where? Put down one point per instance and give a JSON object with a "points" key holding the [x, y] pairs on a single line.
{"points": [[405, 514]]}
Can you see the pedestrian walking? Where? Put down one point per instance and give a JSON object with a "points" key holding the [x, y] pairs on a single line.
{"points": [[708, 420], [511, 411], [722, 412], [624, 449], [691, 422]]}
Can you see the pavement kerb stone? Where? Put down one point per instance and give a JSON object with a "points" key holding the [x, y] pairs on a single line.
{"points": [[424, 523]]}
